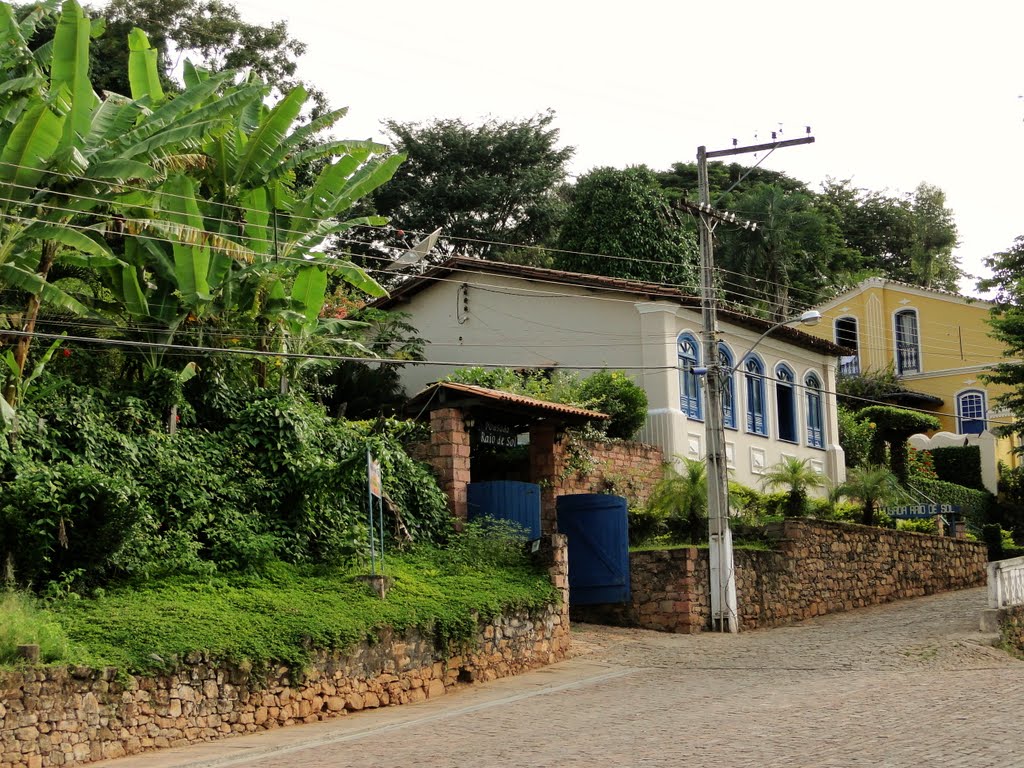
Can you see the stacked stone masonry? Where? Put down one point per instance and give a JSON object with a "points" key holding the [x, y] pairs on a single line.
{"points": [[69, 716], [625, 469], [817, 568], [1011, 625]]}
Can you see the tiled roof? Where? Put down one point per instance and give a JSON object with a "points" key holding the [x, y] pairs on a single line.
{"points": [[556, 277], [499, 397]]}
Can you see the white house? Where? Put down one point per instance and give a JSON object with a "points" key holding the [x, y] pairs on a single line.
{"points": [[779, 400]]}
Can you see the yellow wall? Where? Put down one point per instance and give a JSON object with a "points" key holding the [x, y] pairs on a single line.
{"points": [[955, 346]]}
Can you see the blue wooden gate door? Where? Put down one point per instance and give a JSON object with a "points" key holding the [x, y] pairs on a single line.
{"points": [[506, 500], [597, 528]]}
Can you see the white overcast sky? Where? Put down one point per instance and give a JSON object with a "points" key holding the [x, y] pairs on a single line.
{"points": [[896, 92]]}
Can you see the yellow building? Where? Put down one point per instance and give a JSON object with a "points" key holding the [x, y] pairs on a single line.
{"points": [[936, 342]]}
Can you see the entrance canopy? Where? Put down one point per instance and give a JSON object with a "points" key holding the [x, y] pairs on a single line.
{"points": [[514, 411]]}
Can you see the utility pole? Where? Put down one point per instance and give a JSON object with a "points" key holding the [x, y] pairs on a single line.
{"points": [[724, 613]]}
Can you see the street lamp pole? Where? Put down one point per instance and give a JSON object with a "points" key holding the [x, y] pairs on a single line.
{"points": [[724, 614]]}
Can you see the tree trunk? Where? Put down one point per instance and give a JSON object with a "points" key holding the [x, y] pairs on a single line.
{"points": [[25, 342]]}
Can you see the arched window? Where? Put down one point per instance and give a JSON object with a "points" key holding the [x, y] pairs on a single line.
{"points": [[846, 336], [757, 421], [728, 386], [908, 344], [690, 401], [785, 403], [970, 412], [815, 424]]}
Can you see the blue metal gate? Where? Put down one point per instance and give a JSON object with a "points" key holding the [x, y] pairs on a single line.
{"points": [[506, 500], [597, 528]]}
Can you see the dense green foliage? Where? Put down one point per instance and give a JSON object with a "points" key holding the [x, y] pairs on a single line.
{"points": [[680, 500], [614, 393], [1007, 324], [99, 491], [619, 223], [856, 435], [610, 392], [791, 260], [959, 464], [872, 485], [796, 477], [909, 238], [892, 428], [285, 613], [976, 506], [487, 186], [862, 390], [24, 622]]}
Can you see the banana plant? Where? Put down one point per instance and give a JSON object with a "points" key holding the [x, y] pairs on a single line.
{"points": [[68, 158]]}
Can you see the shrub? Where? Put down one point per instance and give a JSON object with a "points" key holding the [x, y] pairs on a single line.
{"points": [[855, 436], [920, 465], [645, 524], [975, 506], [67, 519], [681, 499], [614, 393], [959, 464], [893, 427], [918, 526], [487, 542]]}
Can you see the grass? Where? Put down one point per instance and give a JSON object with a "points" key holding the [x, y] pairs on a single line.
{"points": [[284, 615], [24, 622]]}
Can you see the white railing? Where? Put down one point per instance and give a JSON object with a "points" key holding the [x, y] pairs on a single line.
{"points": [[1006, 583]]}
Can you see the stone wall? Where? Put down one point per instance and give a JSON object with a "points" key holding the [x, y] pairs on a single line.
{"points": [[816, 568], [68, 716], [624, 468], [1011, 627]]}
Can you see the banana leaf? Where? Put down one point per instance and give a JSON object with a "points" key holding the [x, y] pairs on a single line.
{"points": [[143, 75]]}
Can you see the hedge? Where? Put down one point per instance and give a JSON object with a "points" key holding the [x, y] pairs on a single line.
{"points": [[975, 506], [960, 464]]}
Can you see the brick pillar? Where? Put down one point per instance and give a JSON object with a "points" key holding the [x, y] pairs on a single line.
{"points": [[544, 471], [449, 456]]}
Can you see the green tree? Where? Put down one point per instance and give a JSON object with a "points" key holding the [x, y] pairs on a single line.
{"points": [[871, 485], [795, 476], [681, 180], [1007, 322], [909, 238], [619, 223], [483, 185], [66, 154], [790, 259], [935, 237], [210, 32]]}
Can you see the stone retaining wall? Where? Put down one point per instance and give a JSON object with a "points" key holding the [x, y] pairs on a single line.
{"points": [[816, 568], [68, 716], [1011, 627]]}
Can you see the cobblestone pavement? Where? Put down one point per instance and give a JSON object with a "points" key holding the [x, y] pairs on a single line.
{"points": [[906, 684]]}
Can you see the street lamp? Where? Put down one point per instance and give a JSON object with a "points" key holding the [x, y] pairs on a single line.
{"points": [[723, 575]]}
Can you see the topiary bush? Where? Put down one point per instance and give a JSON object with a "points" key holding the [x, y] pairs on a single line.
{"points": [[892, 428], [960, 464]]}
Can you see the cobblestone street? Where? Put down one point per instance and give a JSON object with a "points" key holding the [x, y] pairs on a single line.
{"points": [[904, 684]]}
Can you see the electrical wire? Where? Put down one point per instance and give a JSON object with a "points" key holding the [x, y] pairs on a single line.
{"points": [[195, 350]]}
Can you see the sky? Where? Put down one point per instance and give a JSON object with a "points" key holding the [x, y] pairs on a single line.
{"points": [[896, 93]]}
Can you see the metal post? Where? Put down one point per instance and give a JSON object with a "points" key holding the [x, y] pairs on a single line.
{"points": [[369, 499], [723, 579]]}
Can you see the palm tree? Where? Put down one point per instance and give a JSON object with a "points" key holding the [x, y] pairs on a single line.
{"points": [[871, 485], [681, 499], [797, 477]]}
